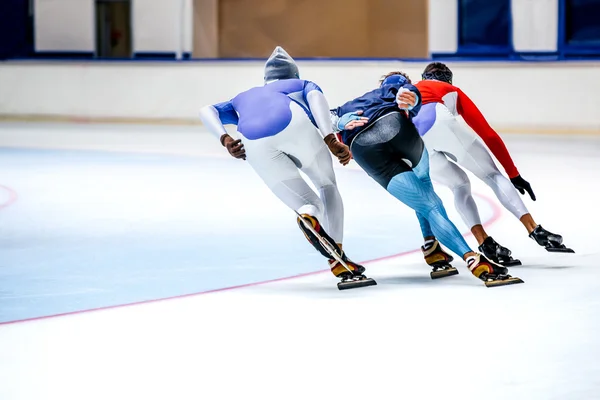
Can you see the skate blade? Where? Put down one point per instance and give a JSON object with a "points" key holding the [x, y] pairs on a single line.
{"points": [[504, 282], [354, 284], [511, 263], [442, 273], [560, 250]]}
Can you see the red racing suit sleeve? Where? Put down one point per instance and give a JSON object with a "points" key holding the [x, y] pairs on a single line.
{"points": [[475, 119]]}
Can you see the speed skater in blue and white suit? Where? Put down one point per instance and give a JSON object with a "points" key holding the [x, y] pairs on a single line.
{"points": [[285, 128]]}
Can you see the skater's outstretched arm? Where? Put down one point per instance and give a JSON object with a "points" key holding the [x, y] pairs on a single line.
{"points": [[217, 115], [475, 119], [319, 108], [214, 117]]}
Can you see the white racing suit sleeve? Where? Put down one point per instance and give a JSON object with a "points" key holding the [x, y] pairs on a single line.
{"points": [[210, 118], [319, 107]]}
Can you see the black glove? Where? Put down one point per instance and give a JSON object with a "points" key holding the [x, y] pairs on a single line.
{"points": [[522, 185]]}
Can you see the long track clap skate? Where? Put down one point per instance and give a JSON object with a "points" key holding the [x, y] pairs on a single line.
{"points": [[550, 241], [439, 261], [490, 273], [498, 254], [350, 279]]}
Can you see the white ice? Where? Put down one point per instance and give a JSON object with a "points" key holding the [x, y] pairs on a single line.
{"points": [[407, 338]]}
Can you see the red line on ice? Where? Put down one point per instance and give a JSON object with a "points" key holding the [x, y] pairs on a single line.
{"points": [[12, 196]]}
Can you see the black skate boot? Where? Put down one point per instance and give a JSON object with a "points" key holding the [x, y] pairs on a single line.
{"points": [[439, 260], [490, 273], [498, 254], [351, 273], [551, 241]]}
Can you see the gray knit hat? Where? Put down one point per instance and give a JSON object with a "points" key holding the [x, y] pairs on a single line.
{"points": [[280, 65]]}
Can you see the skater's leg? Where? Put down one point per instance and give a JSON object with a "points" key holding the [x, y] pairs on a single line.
{"points": [[433, 252], [441, 139], [384, 151], [281, 175], [452, 176], [303, 148], [321, 173], [387, 152], [472, 155], [392, 138], [404, 186], [426, 231], [422, 172], [478, 160], [528, 222], [410, 190]]}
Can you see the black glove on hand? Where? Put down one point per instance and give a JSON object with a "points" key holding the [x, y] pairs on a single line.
{"points": [[522, 185]]}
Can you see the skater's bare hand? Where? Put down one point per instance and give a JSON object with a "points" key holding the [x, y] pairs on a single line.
{"points": [[355, 123], [406, 100], [234, 147], [338, 149], [522, 186]]}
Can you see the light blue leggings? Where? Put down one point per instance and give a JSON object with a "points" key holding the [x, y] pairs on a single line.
{"points": [[414, 188]]}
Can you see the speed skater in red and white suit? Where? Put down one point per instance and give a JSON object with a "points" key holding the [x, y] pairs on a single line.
{"points": [[452, 146]]}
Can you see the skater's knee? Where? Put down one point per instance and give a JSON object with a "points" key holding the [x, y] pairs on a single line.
{"points": [[431, 209], [493, 178], [330, 194], [328, 187], [463, 190], [314, 210], [436, 202], [461, 187]]}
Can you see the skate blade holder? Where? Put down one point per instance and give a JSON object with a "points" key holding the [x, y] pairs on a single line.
{"points": [[442, 272], [511, 263], [504, 282], [355, 283], [562, 249]]}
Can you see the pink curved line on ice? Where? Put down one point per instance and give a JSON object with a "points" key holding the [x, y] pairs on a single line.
{"points": [[12, 196]]}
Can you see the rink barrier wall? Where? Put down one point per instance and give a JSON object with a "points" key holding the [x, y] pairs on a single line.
{"points": [[514, 96], [68, 26]]}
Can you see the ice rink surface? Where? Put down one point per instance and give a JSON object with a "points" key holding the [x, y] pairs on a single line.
{"points": [[98, 216]]}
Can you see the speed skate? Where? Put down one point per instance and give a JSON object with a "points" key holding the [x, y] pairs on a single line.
{"points": [[350, 279], [438, 260], [552, 242]]}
